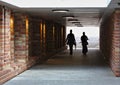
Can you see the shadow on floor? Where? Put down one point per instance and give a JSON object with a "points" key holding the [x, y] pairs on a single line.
{"points": [[63, 60], [63, 69]]}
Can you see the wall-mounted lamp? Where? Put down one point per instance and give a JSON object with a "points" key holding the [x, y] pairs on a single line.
{"points": [[12, 25]]}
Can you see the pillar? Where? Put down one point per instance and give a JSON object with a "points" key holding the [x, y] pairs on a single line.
{"points": [[1, 37], [5, 57], [21, 24], [50, 38]]}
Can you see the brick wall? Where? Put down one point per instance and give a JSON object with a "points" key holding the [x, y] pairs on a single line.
{"points": [[110, 41], [115, 59], [106, 38], [5, 38], [55, 37], [25, 41], [21, 39], [12, 38], [1, 37], [14, 52], [59, 37], [34, 34], [5, 54], [47, 37]]}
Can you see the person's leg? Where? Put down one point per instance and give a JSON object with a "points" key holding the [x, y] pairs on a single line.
{"points": [[71, 49], [84, 49]]}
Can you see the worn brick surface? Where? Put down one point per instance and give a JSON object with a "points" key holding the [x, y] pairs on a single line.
{"points": [[25, 41], [110, 41]]}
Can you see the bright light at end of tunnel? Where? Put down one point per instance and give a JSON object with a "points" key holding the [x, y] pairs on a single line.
{"points": [[58, 3], [90, 31]]}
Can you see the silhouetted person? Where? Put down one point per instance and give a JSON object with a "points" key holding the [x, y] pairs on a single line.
{"points": [[84, 39], [71, 41]]}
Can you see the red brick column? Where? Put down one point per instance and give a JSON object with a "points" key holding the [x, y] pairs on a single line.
{"points": [[21, 37], [115, 60], [5, 58], [7, 36], [1, 37]]}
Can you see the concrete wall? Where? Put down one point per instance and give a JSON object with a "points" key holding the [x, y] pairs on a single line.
{"points": [[110, 41]]}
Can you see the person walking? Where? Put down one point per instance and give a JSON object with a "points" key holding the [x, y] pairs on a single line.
{"points": [[84, 39], [71, 41]]}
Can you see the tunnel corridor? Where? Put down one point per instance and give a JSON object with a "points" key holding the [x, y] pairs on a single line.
{"points": [[63, 69], [34, 39]]}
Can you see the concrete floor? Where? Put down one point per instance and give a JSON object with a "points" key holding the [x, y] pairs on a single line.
{"points": [[63, 69]]}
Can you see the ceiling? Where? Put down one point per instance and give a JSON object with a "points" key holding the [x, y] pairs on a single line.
{"points": [[58, 3], [86, 16]]}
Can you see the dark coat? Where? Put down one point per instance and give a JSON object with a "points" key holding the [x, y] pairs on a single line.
{"points": [[71, 39]]}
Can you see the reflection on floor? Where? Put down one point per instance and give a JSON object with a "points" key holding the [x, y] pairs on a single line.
{"points": [[64, 69]]}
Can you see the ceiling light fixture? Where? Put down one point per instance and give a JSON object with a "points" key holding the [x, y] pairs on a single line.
{"points": [[68, 17], [77, 22], [72, 20], [79, 25], [60, 10]]}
